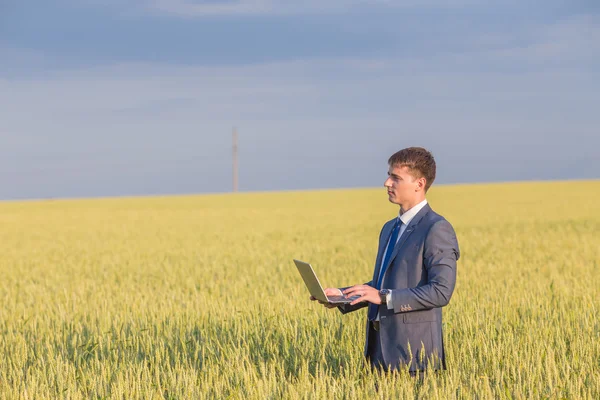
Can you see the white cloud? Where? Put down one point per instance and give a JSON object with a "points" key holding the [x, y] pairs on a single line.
{"points": [[199, 8], [202, 8]]}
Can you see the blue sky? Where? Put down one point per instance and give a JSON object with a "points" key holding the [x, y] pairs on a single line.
{"points": [[109, 98]]}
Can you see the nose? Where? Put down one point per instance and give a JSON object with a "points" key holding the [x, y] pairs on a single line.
{"points": [[387, 183]]}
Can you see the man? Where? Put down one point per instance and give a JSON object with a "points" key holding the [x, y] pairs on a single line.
{"points": [[415, 273]]}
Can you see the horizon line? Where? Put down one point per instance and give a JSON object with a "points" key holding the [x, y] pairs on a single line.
{"points": [[243, 192]]}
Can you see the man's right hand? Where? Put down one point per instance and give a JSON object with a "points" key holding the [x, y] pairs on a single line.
{"points": [[329, 292]]}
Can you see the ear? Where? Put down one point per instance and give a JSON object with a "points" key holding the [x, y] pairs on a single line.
{"points": [[420, 184]]}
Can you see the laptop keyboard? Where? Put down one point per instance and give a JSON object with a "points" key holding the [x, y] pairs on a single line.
{"points": [[342, 298]]}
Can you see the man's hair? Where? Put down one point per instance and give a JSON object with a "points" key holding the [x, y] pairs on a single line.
{"points": [[419, 162]]}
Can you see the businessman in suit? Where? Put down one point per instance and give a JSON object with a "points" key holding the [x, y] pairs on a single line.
{"points": [[414, 276]]}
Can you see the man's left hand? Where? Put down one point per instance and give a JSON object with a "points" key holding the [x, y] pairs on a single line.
{"points": [[366, 293]]}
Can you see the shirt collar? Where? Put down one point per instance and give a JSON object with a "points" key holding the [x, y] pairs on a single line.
{"points": [[410, 214]]}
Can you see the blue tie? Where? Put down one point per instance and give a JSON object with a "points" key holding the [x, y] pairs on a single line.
{"points": [[388, 254]]}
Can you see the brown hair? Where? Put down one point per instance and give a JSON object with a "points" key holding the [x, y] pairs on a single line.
{"points": [[419, 162]]}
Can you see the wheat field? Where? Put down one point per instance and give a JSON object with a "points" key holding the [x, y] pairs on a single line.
{"points": [[197, 297]]}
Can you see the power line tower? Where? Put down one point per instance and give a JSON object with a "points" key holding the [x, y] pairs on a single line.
{"points": [[235, 160]]}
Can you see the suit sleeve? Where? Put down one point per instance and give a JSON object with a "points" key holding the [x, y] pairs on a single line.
{"points": [[440, 254]]}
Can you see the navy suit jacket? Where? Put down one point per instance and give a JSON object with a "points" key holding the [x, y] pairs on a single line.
{"points": [[422, 276]]}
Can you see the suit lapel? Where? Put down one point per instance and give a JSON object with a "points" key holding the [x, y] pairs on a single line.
{"points": [[409, 229]]}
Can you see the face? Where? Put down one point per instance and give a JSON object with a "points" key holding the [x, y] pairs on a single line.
{"points": [[403, 189]]}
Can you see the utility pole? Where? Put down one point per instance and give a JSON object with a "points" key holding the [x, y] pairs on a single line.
{"points": [[235, 160]]}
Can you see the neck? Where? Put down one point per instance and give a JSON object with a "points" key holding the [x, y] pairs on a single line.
{"points": [[407, 206]]}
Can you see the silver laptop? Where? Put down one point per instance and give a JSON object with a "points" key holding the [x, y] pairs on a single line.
{"points": [[315, 288]]}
